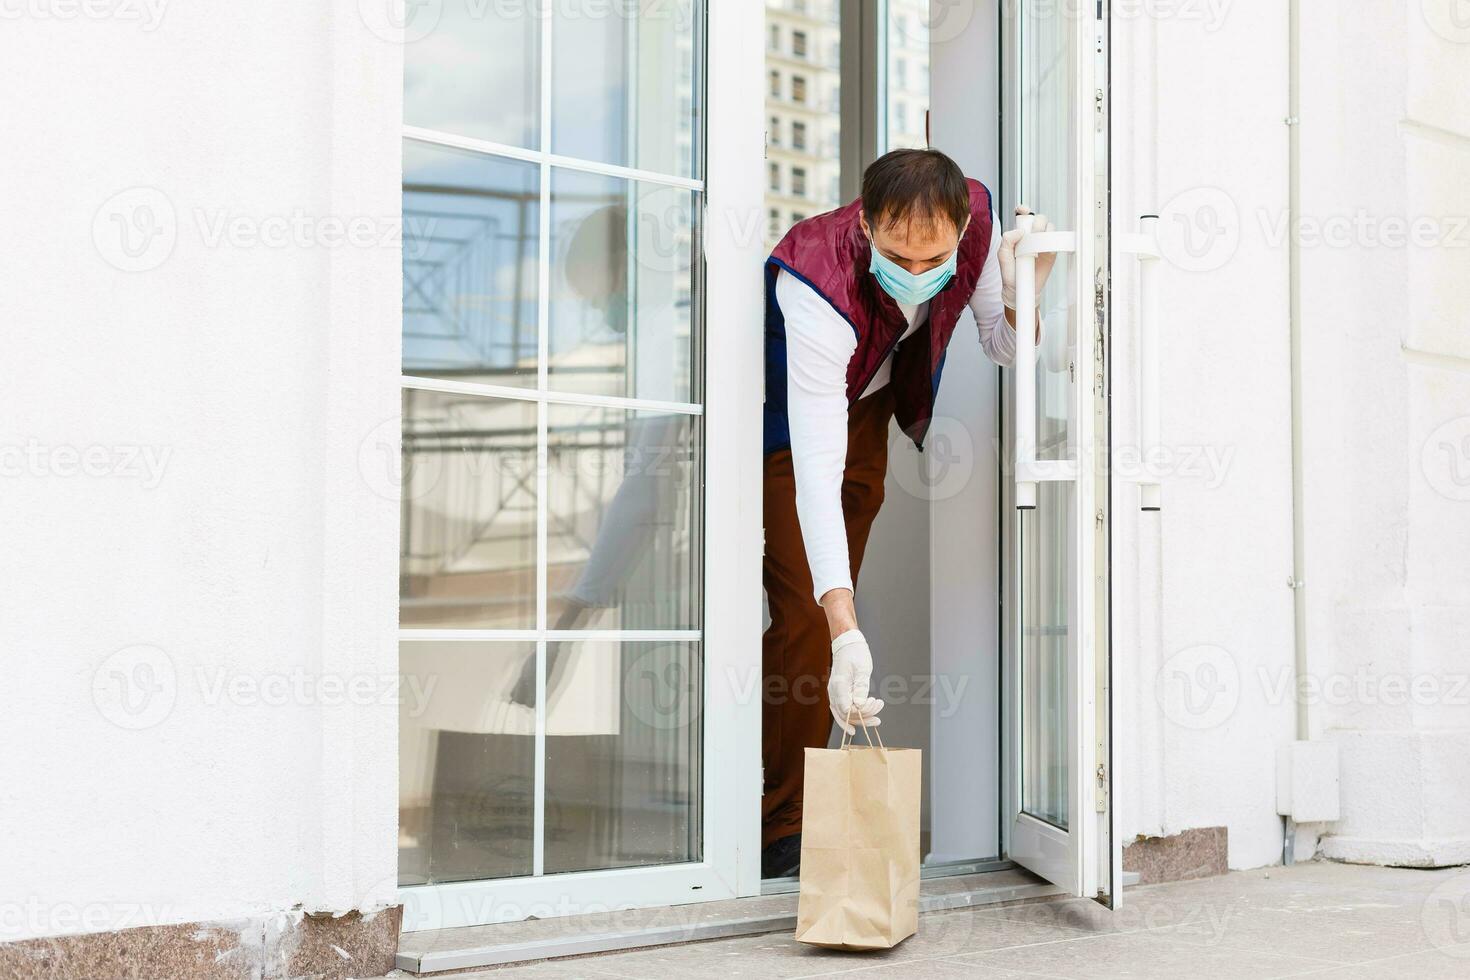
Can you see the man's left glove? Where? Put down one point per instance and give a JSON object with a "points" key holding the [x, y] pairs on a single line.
{"points": [[847, 689], [1006, 253]]}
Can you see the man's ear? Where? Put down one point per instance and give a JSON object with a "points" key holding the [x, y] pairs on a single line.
{"points": [[863, 224]]}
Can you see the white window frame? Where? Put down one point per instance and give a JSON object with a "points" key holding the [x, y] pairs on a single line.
{"points": [[731, 409]]}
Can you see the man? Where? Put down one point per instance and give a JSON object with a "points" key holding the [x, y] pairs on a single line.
{"points": [[860, 306]]}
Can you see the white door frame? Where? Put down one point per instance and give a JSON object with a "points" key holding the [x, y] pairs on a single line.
{"points": [[1070, 857], [733, 352]]}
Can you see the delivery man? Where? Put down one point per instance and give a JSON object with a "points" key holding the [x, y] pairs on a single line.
{"points": [[860, 306]]}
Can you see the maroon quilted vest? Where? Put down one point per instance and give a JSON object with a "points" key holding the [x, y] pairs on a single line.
{"points": [[830, 253]]}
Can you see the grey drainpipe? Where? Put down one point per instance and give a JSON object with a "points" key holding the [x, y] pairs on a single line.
{"points": [[1297, 582]]}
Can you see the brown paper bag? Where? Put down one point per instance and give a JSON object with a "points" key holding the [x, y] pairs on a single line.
{"points": [[860, 847]]}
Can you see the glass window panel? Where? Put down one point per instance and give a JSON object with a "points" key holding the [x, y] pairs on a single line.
{"points": [[624, 519], [466, 762], [469, 266], [804, 112], [1047, 564], [908, 76], [621, 74], [473, 69], [621, 287], [1048, 120], [622, 754], [468, 534]]}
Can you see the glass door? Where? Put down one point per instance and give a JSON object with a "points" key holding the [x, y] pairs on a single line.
{"points": [[558, 706], [1052, 776]]}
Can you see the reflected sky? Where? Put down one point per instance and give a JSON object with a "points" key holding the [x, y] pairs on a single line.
{"points": [[469, 266], [622, 92]]}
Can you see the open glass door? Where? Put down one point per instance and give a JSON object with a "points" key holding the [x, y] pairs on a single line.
{"points": [[1054, 819]]}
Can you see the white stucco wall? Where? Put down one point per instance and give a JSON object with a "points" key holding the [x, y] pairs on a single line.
{"points": [[1385, 295], [1203, 627], [197, 421], [1201, 604]]}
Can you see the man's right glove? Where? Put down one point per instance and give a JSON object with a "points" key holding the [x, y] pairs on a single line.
{"points": [[847, 690]]}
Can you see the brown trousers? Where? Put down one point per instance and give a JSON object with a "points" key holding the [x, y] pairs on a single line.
{"points": [[796, 650]]}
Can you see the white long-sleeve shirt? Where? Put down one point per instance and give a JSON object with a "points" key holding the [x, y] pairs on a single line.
{"points": [[819, 345]]}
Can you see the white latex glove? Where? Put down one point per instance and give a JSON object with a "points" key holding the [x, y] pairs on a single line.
{"points": [[1007, 256], [847, 690]]}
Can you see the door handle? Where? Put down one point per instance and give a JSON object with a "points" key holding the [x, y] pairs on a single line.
{"points": [[1030, 470], [1145, 245]]}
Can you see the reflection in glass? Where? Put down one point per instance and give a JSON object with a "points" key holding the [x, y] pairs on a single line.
{"points": [[624, 522], [472, 68], [908, 73], [802, 55], [621, 282], [468, 535], [1048, 122], [622, 85], [466, 763], [622, 755], [1047, 567], [469, 266]]}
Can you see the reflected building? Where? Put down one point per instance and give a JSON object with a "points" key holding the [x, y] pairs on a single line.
{"points": [[804, 112]]}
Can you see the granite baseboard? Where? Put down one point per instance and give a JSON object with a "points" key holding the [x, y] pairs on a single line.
{"points": [[277, 947], [1198, 853]]}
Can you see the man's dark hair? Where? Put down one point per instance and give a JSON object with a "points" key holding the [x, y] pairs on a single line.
{"points": [[919, 186]]}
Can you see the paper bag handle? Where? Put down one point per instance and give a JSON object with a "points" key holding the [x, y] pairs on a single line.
{"points": [[869, 733]]}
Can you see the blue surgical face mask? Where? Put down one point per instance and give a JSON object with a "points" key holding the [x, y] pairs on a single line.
{"points": [[908, 287]]}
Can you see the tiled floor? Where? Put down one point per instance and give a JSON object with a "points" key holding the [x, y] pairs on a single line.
{"points": [[1333, 921]]}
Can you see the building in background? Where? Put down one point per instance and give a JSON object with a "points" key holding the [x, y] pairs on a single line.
{"points": [[803, 103], [804, 96]]}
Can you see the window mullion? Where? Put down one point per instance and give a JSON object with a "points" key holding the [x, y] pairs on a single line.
{"points": [[543, 348]]}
